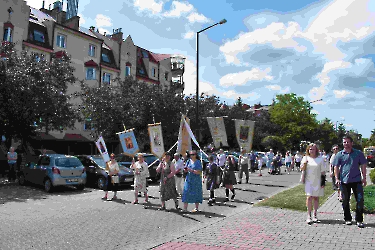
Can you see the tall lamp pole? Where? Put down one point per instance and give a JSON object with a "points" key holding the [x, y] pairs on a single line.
{"points": [[197, 94]]}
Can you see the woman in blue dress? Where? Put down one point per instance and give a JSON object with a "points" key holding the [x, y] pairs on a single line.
{"points": [[193, 192]]}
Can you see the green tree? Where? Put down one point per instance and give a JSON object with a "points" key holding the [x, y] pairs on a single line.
{"points": [[33, 90], [326, 134]]}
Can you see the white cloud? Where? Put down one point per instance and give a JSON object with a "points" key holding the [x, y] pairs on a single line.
{"points": [[82, 20], [189, 35], [242, 78], [341, 93], [273, 87], [196, 17], [149, 5], [231, 94], [277, 34], [178, 9], [103, 21], [102, 31], [168, 29]]}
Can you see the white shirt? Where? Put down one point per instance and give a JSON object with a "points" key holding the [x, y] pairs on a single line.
{"points": [[244, 159], [142, 168], [332, 159], [179, 164], [113, 167], [288, 158], [260, 162], [298, 158], [221, 160]]}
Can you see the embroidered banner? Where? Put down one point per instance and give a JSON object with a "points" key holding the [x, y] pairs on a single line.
{"points": [[217, 129], [191, 134], [156, 139], [245, 133], [184, 140], [128, 142], [100, 144]]}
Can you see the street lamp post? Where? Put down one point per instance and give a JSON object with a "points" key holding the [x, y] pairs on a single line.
{"points": [[197, 94]]}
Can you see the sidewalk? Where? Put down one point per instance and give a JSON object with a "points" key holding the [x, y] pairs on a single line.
{"points": [[270, 228]]}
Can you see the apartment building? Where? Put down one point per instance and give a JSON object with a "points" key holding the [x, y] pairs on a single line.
{"points": [[97, 58]]}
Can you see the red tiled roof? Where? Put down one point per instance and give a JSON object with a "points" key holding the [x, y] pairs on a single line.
{"points": [[91, 63], [61, 53], [160, 57]]}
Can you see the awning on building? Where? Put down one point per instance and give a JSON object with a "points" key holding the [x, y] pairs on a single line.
{"points": [[91, 63], [43, 136]]}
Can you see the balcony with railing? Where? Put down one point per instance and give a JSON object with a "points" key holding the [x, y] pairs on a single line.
{"points": [[177, 65]]}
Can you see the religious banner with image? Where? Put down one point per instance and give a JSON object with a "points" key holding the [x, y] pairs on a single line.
{"points": [[156, 139], [184, 140], [128, 142], [218, 133], [245, 133], [100, 144]]}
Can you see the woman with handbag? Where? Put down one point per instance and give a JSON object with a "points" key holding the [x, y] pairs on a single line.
{"points": [[313, 176], [212, 177], [112, 170], [167, 182]]}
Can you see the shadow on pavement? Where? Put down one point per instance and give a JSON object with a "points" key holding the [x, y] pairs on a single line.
{"points": [[17, 193]]}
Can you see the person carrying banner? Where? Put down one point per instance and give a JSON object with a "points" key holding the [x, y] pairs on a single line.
{"points": [[140, 178], [244, 161], [220, 161], [179, 168], [167, 182], [112, 169], [193, 192]]}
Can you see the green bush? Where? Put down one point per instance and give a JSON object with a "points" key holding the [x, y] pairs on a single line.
{"points": [[372, 176]]}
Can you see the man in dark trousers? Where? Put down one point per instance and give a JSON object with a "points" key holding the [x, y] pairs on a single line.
{"points": [[350, 173]]}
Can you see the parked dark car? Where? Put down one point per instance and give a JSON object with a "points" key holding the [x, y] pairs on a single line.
{"points": [[53, 170], [371, 159], [152, 161], [96, 174]]}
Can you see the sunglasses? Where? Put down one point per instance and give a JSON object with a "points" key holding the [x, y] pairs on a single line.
{"points": [[336, 149], [193, 154]]}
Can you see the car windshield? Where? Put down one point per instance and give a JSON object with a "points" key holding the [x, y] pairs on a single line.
{"points": [[99, 161], [67, 162]]}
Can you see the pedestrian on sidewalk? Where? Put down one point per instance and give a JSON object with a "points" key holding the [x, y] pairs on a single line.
{"points": [[193, 192], [288, 161], [212, 179], [140, 178], [297, 160], [112, 170], [260, 164], [244, 161], [12, 163], [220, 162], [253, 159], [312, 176], [229, 177], [270, 156], [335, 149], [350, 173], [179, 168], [167, 181]]}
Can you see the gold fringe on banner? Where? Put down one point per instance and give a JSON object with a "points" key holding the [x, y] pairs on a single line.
{"points": [[129, 130], [155, 124]]}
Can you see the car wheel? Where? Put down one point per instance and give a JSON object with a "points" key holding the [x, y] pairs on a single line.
{"points": [[21, 180], [81, 187], [101, 182], [48, 187]]}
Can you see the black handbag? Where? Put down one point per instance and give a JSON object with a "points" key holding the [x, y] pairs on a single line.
{"points": [[322, 180]]}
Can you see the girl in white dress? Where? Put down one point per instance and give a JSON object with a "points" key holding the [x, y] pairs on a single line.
{"points": [[312, 166], [140, 178]]}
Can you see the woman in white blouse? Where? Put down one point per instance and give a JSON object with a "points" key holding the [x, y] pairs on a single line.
{"points": [[312, 166], [140, 181], [112, 169]]}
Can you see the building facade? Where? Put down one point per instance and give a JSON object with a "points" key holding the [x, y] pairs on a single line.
{"points": [[97, 58]]}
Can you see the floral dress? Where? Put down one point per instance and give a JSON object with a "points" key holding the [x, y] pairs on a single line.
{"points": [[193, 192], [140, 180], [168, 189]]}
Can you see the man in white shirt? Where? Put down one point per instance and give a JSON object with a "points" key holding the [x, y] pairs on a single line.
{"points": [[297, 160], [244, 161], [179, 168], [270, 156], [220, 161]]}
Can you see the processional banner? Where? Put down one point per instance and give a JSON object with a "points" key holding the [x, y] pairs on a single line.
{"points": [[217, 129], [184, 139], [100, 144], [128, 142], [245, 133], [156, 139]]}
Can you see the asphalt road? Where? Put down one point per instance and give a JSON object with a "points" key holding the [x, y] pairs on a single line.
{"points": [[71, 219]]}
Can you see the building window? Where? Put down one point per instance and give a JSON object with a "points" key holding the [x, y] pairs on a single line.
{"points": [[61, 41], [105, 58], [89, 124], [154, 72], [141, 71], [127, 70], [107, 78], [166, 76], [145, 54], [90, 74], [39, 36], [92, 50], [8, 34]]}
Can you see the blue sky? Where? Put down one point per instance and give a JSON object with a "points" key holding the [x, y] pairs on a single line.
{"points": [[316, 49]]}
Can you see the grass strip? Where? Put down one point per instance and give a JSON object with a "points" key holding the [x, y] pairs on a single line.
{"points": [[369, 197], [293, 198]]}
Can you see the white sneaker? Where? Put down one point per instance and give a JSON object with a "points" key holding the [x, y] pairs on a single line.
{"points": [[315, 220], [308, 220]]}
